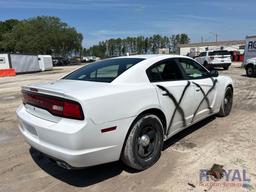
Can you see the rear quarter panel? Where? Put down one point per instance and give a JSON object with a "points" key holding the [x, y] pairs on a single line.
{"points": [[122, 102]]}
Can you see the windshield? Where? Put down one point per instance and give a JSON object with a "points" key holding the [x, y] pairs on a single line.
{"points": [[103, 71], [219, 53]]}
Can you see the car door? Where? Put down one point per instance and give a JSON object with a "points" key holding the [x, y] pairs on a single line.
{"points": [[174, 93], [205, 88]]}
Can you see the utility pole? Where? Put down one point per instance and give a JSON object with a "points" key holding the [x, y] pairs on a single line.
{"points": [[216, 36]]}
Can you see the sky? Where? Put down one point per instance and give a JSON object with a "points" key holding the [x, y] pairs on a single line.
{"points": [[99, 20]]}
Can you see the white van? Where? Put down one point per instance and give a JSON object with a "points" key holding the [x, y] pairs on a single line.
{"points": [[250, 56]]}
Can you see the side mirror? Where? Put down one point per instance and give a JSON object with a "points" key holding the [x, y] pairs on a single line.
{"points": [[214, 73]]}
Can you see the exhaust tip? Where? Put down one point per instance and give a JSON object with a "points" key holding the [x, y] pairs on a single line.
{"points": [[63, 165]]}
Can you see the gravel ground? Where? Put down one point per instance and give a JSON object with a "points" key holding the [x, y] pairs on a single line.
{"points": [[226, 141]]}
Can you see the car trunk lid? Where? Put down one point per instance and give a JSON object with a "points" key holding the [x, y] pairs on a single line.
{"points": [[63, 90]]}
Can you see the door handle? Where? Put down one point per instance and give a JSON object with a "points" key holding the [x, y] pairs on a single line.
{"points": [[197, 90], [164, 93]]}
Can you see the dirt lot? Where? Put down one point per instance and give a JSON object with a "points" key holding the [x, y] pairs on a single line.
{"points": [[227, 141]]}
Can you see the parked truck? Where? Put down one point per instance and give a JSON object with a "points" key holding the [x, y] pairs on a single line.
{"points": [[250, 56]]}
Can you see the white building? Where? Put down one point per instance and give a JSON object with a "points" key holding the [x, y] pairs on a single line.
{"points": [[194, 49]]}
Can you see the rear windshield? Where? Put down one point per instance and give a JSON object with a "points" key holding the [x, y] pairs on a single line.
{"points": [[103, 71], [219, 53]]}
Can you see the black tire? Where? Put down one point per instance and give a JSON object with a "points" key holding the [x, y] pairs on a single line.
{"points": [[250, 72], [226, 67], [226, 104], [144, 143]]}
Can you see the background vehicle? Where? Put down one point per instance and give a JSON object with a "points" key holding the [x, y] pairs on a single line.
{"points": [[250, 56], [120, 108], [60, 61], [211, 59], [85, 59]]}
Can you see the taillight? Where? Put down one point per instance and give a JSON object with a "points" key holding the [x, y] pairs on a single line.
{"points": [[72, 109], [57, 106]]}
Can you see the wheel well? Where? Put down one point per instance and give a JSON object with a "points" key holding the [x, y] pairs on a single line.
{"points": [[231, 86], [158, 113], [249, 65], [153, 111]]}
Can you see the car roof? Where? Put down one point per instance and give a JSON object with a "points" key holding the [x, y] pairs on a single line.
{"points": [[150, 56], [137, 73]]}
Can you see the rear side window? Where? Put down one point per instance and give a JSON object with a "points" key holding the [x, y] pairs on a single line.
{"points": [[167, 70], [103, 71], [193, 70], [219, 53]]}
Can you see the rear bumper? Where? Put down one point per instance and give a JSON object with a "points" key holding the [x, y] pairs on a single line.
{"points": [[219, 64], [77, 143]]}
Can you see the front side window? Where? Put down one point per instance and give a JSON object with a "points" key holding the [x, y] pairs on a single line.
{"points": [[193, 70], [167, 70], [103, 71]]}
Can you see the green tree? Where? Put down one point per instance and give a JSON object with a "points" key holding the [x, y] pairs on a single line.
{"points": [[5, 28], [136, 45], [42, 35], [178, 39]]}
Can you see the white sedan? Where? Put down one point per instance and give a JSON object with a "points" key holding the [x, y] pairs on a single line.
{"points": [[120, 108]]}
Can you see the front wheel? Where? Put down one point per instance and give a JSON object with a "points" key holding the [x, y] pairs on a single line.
{"points": [[227, 103], [144, 143]]}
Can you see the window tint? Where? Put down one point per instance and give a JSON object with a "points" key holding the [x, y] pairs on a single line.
{"points": [[167, 70], [193, 70], [219, 53], [103, 71], [202, 54]]}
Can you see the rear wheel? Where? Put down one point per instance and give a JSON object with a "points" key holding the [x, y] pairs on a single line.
{"points": [[227, 103], [144, 143], [250, 71]]}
